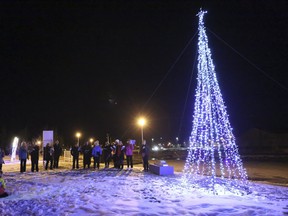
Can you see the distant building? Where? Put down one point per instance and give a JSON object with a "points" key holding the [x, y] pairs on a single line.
{"points": [[256, 141]]}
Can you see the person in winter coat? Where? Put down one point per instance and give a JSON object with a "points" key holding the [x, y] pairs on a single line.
{"points": [[113, 155], [2, 186], [57, 153], [87, 154], [96, 153], [129, 153], [75, 154], [2, 154], [107, 154], [23, 154], [145, 155], [34, 153], [49, 155], [119, 155]]}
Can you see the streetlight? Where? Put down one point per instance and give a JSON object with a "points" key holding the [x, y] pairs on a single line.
{"points": [[78, 135], [91, 140], [141, 123]]}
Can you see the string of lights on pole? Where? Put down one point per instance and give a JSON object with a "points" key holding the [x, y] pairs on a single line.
{"points": [[213, 161]]}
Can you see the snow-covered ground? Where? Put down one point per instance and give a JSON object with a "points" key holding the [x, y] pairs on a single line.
{"points": [[113, 192]]}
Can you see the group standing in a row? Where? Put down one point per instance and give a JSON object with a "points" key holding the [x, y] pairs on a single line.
{"points": [[51, 155], [115, 152]]}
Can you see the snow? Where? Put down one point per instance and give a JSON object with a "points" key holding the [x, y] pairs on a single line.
{"points": [[126, 192]]}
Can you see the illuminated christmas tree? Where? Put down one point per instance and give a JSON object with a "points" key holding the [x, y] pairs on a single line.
{"points": [[213, 160]]}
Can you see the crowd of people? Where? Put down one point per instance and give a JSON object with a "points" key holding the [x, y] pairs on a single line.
{"points": [[114, 152], [51, 155], [110, 152]]}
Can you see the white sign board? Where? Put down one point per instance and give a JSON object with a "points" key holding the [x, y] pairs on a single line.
{"points": [[47, 138]]}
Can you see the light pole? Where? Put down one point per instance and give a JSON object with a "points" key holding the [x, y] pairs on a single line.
{"points": [[141, 123], [91, 141], [78, 135]]}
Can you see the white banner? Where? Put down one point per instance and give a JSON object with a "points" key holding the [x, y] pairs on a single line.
{"points": [[47, 138]]}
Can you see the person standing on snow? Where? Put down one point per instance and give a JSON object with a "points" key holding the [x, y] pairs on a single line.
{"points": [[145, 155], [34, 153], [2, 154], [57, 153], [23, 155], [129, 153], [96, 153], [75, 154], [113, 155], [107, 154], [119, 154], [49, 156], [87, 154]]}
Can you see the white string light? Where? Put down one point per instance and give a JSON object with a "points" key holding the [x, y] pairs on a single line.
{"points": [[213, 160]]}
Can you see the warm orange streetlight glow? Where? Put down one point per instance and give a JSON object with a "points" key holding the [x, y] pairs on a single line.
{"points": [[142, 123], [78, 135]]}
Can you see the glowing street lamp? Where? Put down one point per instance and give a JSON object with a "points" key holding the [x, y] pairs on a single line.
{"points": [[78, 135], [91, 140], [141, 123]]}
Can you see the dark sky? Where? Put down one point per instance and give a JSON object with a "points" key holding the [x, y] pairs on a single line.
{"points": [[94, 66]]}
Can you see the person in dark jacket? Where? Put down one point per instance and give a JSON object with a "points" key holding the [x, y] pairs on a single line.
{"points": [[145, 155], [119, 155], [113, 155], [57, 153], [49, 152], [34, 153], [23, 155], [75, 154], [107, 154], [2, 154], [87, 154]]}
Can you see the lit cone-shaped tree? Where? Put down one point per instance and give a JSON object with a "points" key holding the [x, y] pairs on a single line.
{"points": [[213, 160]]}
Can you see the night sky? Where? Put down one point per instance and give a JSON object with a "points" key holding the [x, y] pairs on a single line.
{"points": [[94, 66]]}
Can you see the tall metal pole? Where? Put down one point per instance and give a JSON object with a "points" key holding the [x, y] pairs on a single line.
{"points": [[142, 133]]}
